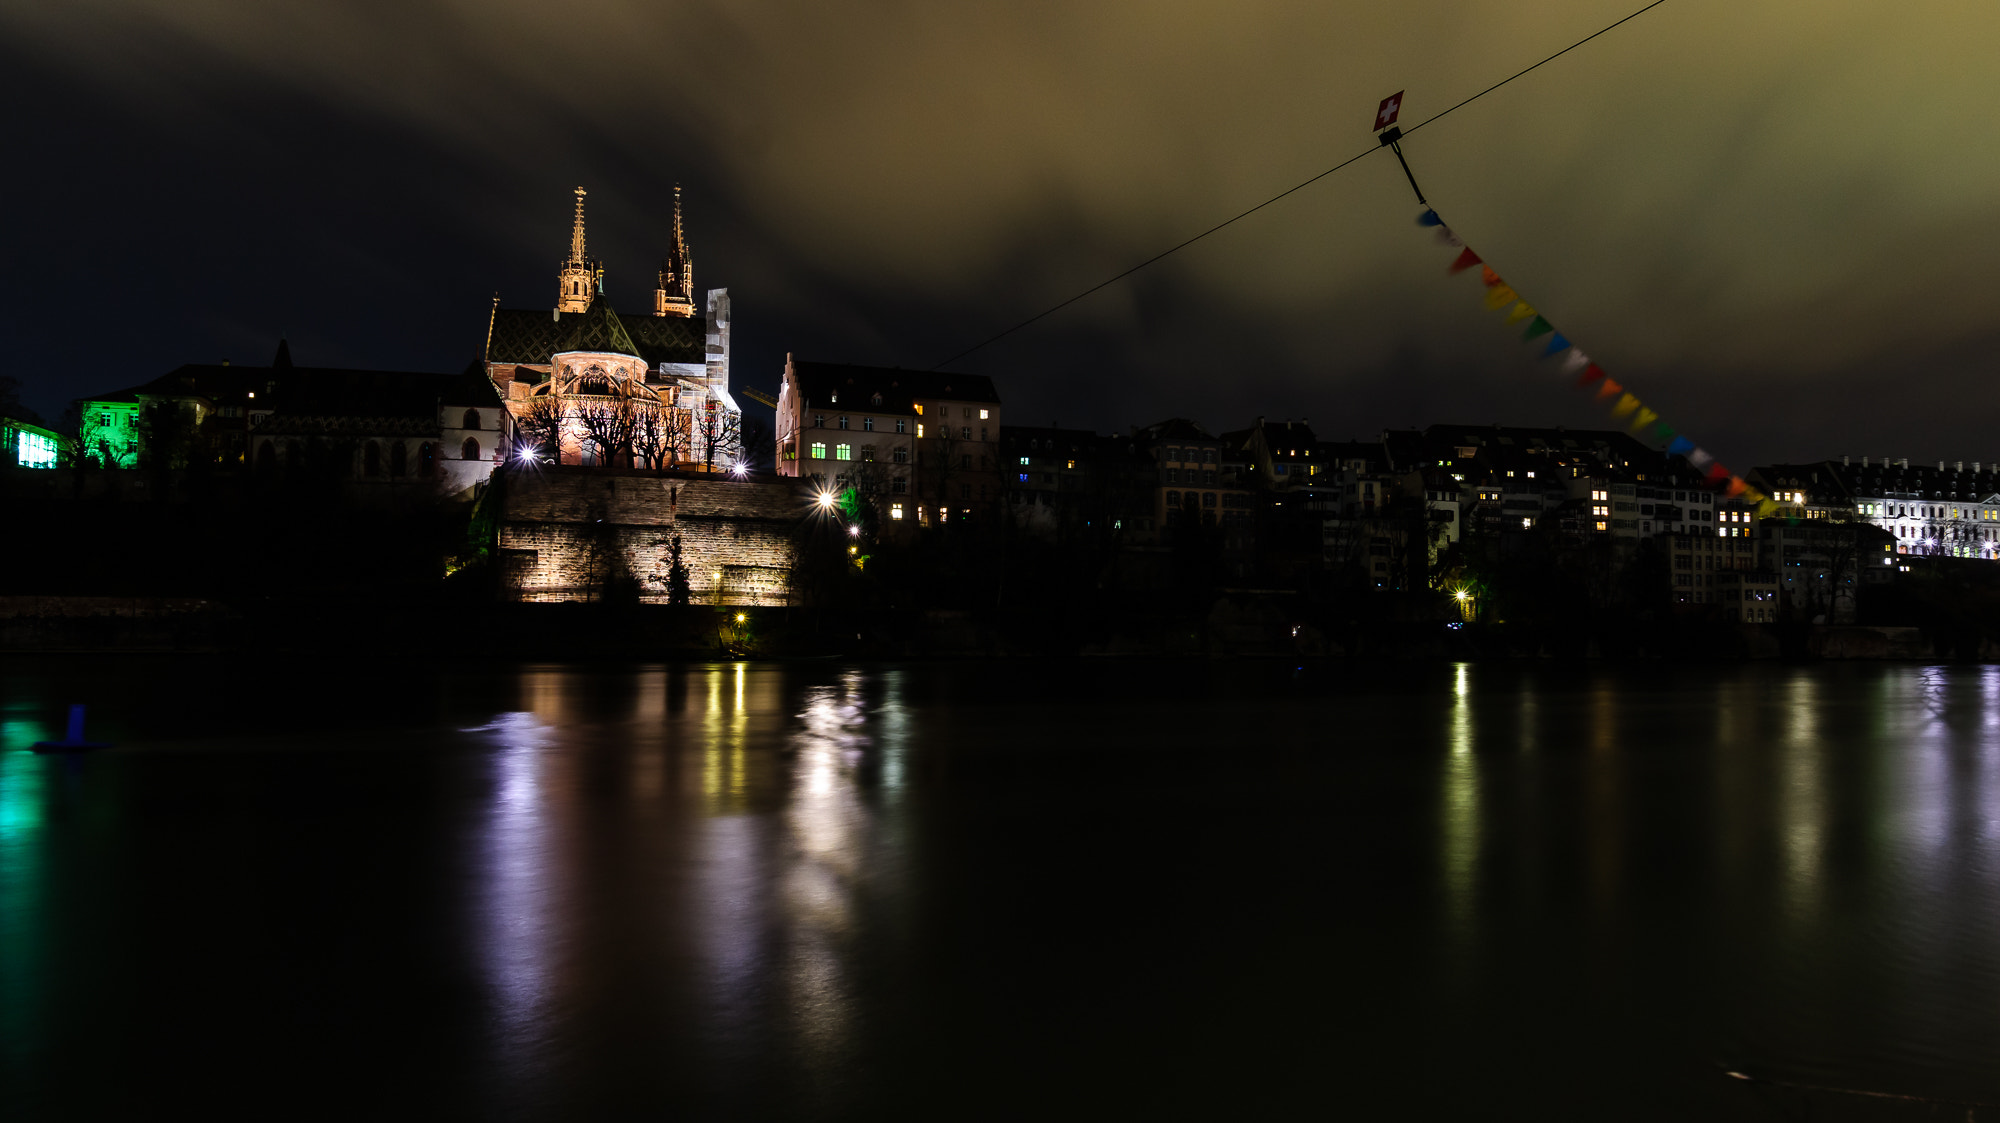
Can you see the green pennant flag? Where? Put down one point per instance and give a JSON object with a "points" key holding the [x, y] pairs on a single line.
{"points": [[1539, 327]]}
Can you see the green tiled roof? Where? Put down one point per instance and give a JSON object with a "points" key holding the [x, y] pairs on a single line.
{"points": [[528, 338]]}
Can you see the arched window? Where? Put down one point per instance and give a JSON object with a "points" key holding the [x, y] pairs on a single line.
{"points": [[471, 422], [371, 460], [470, 450], [267, 458], [426, 460], [399, 461]]}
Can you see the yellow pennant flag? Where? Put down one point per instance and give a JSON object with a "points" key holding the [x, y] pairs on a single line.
{"points": [[1645, 417], [1498, 297], [1626, 404], [1521, 312], [1766, 508]]}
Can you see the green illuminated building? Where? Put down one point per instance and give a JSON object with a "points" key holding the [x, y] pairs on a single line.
{"points": [[24, 444]]}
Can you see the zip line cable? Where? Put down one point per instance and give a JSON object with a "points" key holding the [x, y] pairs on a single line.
{"points": [[1288, 191]]}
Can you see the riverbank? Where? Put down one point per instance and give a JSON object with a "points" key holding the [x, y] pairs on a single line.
{"points": [[1232, 627]]}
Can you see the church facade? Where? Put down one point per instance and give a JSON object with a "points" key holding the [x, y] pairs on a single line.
{"points": [[585, 384]]}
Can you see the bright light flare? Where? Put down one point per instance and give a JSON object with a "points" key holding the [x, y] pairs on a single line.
{"points": [[739, 470], [826, 501], [854, 532]]}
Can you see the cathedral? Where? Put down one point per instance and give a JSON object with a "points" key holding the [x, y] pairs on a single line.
{"points": [[586, 384]]}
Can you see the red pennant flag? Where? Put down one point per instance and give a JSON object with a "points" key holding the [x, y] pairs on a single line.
{"points": [[1718, 472], [1385, 114], [1609, 390], [1466, 260], [1590, 374]]}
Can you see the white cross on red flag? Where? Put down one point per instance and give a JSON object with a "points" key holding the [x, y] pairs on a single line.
{"points": [[1385, 115]]}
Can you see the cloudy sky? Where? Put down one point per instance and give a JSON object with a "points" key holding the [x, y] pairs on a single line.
{"points": [[1773, 221]]}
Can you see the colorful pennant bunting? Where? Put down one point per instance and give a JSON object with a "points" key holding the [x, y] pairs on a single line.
{"points": [[1501, 296]]}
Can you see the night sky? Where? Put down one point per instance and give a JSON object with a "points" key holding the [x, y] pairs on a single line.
{"points": [[1775, 222]]}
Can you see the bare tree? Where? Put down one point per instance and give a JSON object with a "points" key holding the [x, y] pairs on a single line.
{"points": [[652, 446], [608, 424], [541, 425]]}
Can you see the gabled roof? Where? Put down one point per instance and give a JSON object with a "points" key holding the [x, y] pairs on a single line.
{"points": [[855, 387], [529, 338], [1175, 429]]}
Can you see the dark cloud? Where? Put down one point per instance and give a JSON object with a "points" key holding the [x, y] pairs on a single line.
{"points": [[1772, 222]]}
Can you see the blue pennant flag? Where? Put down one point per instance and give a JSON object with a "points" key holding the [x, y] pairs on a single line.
{"points": [[1679, 445], [1557, 345], [1429, 218]]}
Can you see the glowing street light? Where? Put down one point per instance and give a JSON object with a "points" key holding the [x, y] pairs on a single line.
{"points": [[739, 470], [826, 501], [854, 532]]}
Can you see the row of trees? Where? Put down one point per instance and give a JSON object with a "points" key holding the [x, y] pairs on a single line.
{"points": [[635, 433]]}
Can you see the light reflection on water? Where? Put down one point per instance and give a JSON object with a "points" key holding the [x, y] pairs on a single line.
{"points": [[807, 890]]}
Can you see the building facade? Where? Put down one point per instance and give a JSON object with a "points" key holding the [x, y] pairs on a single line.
{"points": [[586, 385]]}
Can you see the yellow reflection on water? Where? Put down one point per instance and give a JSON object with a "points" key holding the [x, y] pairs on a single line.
{"points": [[1461, 811], [725, 723]]}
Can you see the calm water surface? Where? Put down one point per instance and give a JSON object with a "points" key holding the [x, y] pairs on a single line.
{"points": [[998, 890]]}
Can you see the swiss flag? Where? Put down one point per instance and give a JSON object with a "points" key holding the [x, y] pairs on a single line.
{"points": [[1386, 114]]}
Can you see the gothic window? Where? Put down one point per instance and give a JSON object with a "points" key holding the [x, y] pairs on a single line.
{"points": [[470, 451], [471, 421], [399, 462], [371, 459]]}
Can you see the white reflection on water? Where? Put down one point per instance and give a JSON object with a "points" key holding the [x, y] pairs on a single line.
{"points": [[517, 914], [1461, 817], [1802, 795], [825, 820]]}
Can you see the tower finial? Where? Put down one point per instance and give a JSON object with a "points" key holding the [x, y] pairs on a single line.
{"points": [[675, 296], [576, 282]]}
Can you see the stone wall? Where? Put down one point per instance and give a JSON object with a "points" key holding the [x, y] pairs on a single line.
{"points": [[572, 533]]}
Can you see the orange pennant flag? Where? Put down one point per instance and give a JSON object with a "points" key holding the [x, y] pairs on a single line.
{"points": [[1608, 390], [1487, 274], [1736, 486]]}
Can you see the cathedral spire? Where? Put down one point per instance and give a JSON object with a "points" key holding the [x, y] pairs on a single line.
{"points": [[577, 282], [675, 296]]}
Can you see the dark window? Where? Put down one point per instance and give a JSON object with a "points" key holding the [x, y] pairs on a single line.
{"points": [[470, 450], [471, 422], [295, 455], [399, 462], [371, 459]]}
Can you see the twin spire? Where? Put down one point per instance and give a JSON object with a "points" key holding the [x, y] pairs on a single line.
{"points": [[581, 280]]}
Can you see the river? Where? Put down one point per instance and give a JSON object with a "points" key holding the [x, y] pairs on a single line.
{"points": [[1184, 889]]}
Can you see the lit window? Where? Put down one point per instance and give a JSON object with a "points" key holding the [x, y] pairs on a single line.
{"points": [[1024, 462], [982, 415], [1600, 526], [1527, 523], [1024, 477], [1069, 464], [1531, 475], [843, 452], [819, 450], [920, 429], [896, 512]]}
